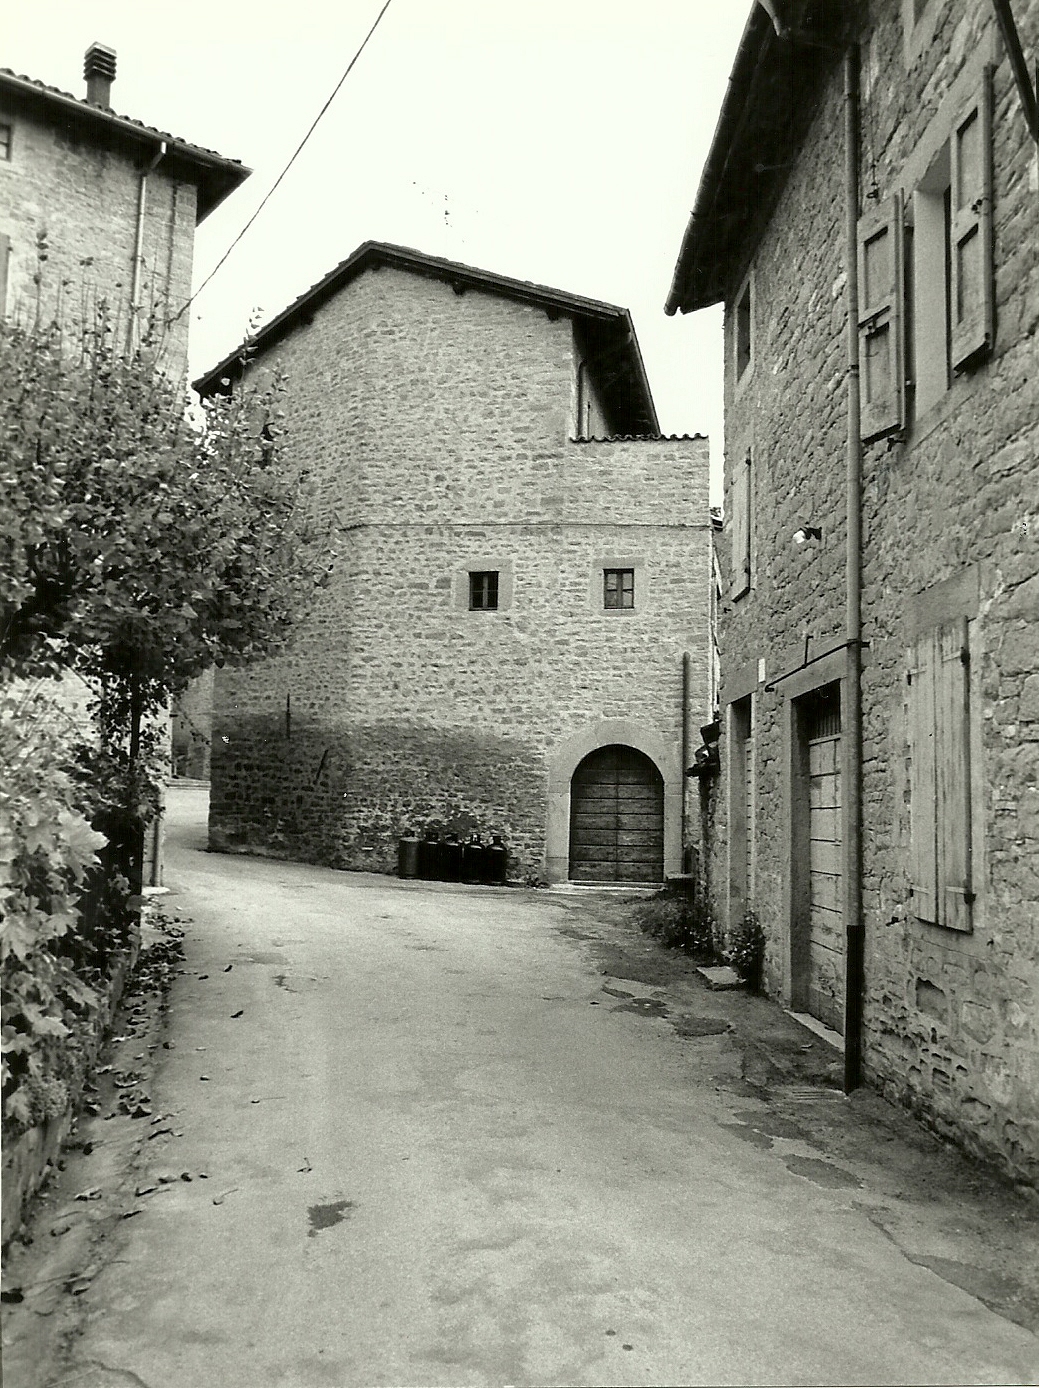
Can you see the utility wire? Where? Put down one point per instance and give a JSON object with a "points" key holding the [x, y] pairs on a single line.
{"points": [[288, 166]]}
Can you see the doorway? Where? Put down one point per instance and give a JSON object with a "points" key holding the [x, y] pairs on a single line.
{"points": [[616, 818], [817, 925]]}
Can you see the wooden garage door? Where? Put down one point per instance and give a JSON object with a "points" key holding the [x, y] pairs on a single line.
{"points": [[748, 807], [826, 923], [616, 818]]}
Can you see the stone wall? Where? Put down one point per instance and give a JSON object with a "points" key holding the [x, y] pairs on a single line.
{"points": [[439, 423], [191, 729], [951, 1019], [85, 199]]}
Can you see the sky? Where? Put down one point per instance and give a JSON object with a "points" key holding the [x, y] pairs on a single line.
{"points": [[559, 141]]}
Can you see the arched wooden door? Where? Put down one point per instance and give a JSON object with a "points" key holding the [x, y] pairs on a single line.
{"points": [[616, 818]]}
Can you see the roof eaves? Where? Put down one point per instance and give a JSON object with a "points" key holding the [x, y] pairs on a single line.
{"points": [[716, 231], [453, 272], [229, 173], [752, 42], [641, 438]]}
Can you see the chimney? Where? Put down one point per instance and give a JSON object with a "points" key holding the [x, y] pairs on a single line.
{"points": [[99, 70]]}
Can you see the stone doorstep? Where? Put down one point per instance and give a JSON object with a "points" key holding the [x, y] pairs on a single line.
{"points": [[719, 976], [612, 888], [817, 1028]]}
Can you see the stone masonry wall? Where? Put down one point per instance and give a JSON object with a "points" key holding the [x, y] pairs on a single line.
{"points": [[85, 199], [951, 1020], [440, 424]]}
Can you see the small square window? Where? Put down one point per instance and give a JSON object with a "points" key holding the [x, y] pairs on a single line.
{"points": [[5, 142], [483, 591], [618, 588]]}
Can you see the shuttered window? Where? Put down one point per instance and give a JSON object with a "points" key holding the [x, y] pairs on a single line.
{"points": [[740, 499], [5, 256], [940, 789], [881, 319], [971, 290]]}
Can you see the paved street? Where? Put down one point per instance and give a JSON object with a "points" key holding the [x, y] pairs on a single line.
{"points": [[469, 1136]]}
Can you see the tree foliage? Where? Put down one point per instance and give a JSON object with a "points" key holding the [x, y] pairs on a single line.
{"points": [[47, 849], [140, 542]]}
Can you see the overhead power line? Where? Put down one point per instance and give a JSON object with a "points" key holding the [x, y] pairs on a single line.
{"points": [[270, 193]]}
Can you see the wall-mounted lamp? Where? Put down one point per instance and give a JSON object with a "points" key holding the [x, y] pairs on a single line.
{"points": [[806, 533]]}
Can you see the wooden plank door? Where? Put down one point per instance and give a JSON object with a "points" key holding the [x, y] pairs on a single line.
{"points": [[616, 818], [826, 921]]}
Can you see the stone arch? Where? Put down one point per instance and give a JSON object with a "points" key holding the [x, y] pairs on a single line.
{"points": [[616, 817], [562, 764]]}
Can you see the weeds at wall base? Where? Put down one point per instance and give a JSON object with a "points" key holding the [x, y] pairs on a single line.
{"points": [[679, 919]]}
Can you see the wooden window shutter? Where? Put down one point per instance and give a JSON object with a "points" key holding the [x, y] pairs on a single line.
{"points": [[881, 319], [922, 784], [952, 764], [971, 288], [5, 255], [741, 529]]}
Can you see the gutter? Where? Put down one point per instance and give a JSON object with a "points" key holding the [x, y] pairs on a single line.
{"points": [[133, 335], [685, 749], [1019, 66], [851, 711]]}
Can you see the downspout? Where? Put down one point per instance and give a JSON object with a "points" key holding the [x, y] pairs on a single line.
{"points": [[1019, 66], [133, 333], [683, 778], [851, 713]]}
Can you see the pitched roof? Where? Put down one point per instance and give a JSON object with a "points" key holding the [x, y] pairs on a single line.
{"points": [[214, 175], [768, 104], [606, 332]]}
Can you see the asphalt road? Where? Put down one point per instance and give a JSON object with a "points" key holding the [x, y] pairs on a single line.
{"points": [[441, 1146]]}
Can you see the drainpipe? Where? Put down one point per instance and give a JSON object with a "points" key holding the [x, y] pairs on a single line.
{"points": [[684, 779], [851, 719], [133, 333], [1019, 66]]}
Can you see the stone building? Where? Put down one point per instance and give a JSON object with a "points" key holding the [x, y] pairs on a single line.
{"points": [[878, 804], [516, 637], [96, 207], [115, 202]]}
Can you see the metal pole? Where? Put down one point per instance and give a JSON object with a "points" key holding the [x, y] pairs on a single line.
{"points": [[851, 712], [1012, 41], [685, 750]]}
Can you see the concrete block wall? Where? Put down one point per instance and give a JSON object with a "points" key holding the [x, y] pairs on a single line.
{"points": [[951, 1020], [84, 198], [440, 425]]}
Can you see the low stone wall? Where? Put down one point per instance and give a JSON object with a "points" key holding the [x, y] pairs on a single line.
{"points": [[26, 1158]]}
